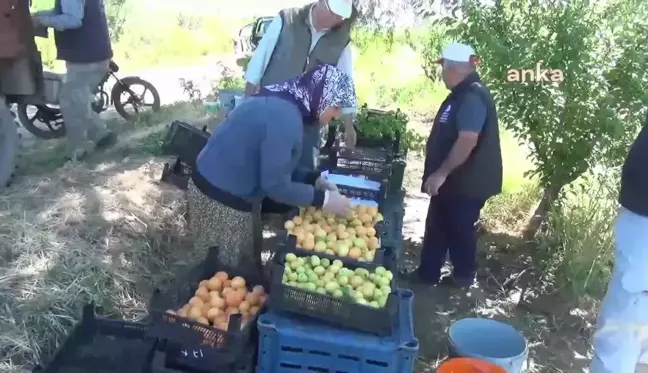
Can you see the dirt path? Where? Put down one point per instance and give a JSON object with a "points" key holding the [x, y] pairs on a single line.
{"points": [[557, 335]]}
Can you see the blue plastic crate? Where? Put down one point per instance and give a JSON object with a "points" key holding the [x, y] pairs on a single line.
{"points": [[298, 344]]}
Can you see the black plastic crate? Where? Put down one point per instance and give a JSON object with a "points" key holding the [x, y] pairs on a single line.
{"points": [[185, 141], [324, 307], [102, 346], [379, 258], [388, 143], [168, 362], [369, 161], [177, 174], [397, 175], [219, 347]]}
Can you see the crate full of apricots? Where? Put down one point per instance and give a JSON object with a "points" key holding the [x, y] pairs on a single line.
{"points": [[213, 310], [353, 238]]}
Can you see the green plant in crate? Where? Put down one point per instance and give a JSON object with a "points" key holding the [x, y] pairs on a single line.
{"points": [[374, 125]]}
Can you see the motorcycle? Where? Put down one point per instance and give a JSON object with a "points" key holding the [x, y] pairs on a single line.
{"points": [[34, 111]]}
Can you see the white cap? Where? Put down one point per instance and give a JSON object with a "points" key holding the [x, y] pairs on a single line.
{"points": [[342, 8], [458, 52]]}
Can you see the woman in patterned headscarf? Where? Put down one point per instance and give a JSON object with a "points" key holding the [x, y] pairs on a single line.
{"points": [[253, 155]]}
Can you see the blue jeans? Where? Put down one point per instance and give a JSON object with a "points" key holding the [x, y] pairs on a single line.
{"points": [[450, 227]]}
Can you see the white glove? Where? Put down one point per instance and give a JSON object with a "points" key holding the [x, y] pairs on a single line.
{"points": [[336, 203], [322, 184]]}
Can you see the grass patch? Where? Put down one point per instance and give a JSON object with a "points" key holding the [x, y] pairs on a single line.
{"points": [[104, 234]]}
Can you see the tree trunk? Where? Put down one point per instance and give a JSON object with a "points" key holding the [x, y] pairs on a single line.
{"points": [[549, 196]]}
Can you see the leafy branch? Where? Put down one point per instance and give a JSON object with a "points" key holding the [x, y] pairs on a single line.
{"points": [[380, 125]]}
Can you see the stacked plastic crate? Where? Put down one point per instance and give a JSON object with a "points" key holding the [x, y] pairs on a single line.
{"points": [[330, 331]]}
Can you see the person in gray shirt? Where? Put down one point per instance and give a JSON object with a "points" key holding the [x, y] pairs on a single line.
{"points": [[83, 42]]}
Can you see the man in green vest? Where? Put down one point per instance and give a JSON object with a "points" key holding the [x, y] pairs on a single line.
{"points": [[297, 40]]}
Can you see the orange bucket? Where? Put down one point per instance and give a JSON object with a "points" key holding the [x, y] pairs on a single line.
{"points": [[469, 365]]}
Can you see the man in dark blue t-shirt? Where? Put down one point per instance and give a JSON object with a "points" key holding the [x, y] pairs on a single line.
{"points": [[463, 169]]}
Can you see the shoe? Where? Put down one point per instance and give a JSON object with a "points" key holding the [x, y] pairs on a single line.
{"points": [[109, 139], [457, 282], [78, 155], [415, 277]]}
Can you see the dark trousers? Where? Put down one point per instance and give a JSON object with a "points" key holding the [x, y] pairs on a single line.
{"points": [[450, 227]]}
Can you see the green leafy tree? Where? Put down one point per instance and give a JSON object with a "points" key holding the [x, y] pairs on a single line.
{"points": [[116, 16], [589, 117]]}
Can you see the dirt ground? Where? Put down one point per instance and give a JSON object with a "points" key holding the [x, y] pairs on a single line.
{"points": [[108, 231]]}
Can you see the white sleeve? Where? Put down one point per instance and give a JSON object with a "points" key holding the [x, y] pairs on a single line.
{"points": [[345, 63], [261, 57]]}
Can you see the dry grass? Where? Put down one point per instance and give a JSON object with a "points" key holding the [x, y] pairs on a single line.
{"points": [[106, 234]]}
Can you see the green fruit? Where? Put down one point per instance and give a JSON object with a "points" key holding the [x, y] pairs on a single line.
{"points": [[300, 270], [389, 275], [361, 301], [362, 272], [310, 286], [287, 269], [367, 292], [374, 304], [377, 294], [328, 276], [360, 243], [382, 301], [284, 279], [338, 293], [372, 277], [342, 249], [358, 295], [383, 281], [290, 257], [333, 269], [380, 270], [356, 281], [325, 262], [301, 261], [319, 270], [293, 283], [321, 290], [343, 281], [292, 277], [313, 278], [314, 260], [331, 287], [302, 278], [294, 265], [337, 263], [385, 289]]}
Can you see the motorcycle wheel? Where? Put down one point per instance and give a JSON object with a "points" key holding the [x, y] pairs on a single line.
{"points": [[123, 95], [49, 116], [8, 147]]}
